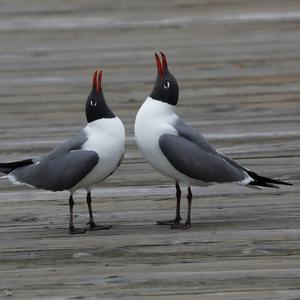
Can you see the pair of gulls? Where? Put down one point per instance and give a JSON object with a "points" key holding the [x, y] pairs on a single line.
{"points": [[171, 146]]}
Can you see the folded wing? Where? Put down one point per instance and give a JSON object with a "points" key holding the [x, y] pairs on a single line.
{"points": [[58, 173], [62, 169], [197, 162]]}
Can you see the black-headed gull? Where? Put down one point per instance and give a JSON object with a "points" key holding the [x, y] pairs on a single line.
{"points": [[178, 151], [81, 162]]}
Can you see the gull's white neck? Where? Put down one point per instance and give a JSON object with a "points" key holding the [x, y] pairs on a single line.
{"points": [[154, 118], [155, 110]]}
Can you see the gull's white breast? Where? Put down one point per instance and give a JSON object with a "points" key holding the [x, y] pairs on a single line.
{"points": [[107, 138], [154, 119]]}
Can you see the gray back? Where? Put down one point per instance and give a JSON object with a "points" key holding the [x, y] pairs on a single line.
{"points": [[198, 163], [62, 169], [194, 136]]}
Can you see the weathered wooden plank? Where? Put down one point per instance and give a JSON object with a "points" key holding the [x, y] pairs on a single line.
{"points": [[237, 63]]}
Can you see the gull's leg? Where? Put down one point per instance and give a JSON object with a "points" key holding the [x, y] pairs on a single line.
{"points": [[72, 229], [91, 223], [177, 216], [188, 223]]}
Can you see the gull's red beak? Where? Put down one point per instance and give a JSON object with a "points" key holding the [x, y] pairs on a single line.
{"points": [[97, 77], [159, 66], [164, 61], [162, 65]]}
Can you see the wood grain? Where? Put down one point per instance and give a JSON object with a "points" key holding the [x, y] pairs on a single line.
{"points": [[237, 64]]}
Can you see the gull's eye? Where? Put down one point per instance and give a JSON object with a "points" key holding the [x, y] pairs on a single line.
{"points": [[93, 103], [166, 84]]}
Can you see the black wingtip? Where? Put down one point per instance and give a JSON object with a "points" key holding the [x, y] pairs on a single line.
{"points": [[9, 167], [265, 181], [263, 184]]}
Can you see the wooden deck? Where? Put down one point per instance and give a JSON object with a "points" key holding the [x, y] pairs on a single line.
{"points": [[238, 66]]}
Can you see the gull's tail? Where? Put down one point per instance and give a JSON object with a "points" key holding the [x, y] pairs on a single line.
{"points": [[264, 181], [9, 167]]}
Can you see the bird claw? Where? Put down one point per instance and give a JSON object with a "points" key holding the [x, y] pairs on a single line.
{"points": [[176, 221], [181, 226], [94, 226], [74, 230]]}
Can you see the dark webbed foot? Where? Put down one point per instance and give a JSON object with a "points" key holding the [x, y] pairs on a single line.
{"points": [[94, 226], [74, 230], [181, 226], [176, 221]]}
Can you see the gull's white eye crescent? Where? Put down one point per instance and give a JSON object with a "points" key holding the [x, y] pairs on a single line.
{"points": [[166, 85], [93, 103]]}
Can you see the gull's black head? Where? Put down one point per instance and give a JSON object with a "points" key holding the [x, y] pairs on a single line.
{"points": [[96, 107], [165, 86]]}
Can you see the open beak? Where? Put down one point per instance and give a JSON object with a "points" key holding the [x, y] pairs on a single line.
{"points": [[97, 77], [162, 66]]}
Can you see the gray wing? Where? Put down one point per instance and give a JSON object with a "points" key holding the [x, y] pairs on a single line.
{"points": [[74, 143], [198, 160], [194, 136], [62, 169], [58, 173]]}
